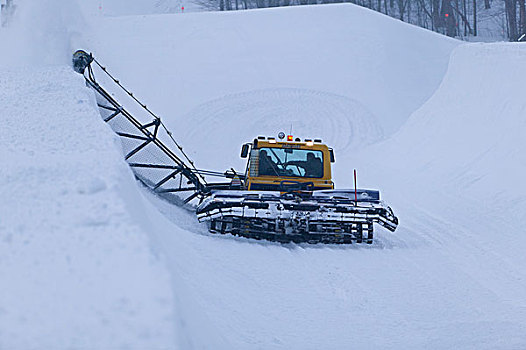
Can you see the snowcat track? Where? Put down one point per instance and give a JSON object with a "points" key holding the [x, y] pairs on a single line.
{"points": [[278, 231], [326, 217]]}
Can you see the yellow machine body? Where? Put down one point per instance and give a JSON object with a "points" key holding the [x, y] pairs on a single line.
{"points": [[289, 161]]}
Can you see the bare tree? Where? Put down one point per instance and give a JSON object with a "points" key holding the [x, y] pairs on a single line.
{"points": [[522, 17], [511, 13], [474, 17], [401, 8]]}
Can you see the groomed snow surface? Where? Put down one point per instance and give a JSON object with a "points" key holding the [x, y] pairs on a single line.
{"points": [[89, 259]]}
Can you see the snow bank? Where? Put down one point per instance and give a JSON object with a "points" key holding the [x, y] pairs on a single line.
{"points": [[467, 138], [76, 268], [76, 258], [469, 133], [460, 157]]}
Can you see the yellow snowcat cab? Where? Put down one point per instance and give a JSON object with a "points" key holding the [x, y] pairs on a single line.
{"points": [[283, 165]]}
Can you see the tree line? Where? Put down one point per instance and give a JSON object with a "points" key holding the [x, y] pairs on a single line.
{"points": [[455, 18]]}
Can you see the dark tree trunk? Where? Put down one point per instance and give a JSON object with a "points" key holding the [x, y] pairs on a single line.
{"points": [[427, 13], [462, 16], [474, 17], [435, 12], [465, 11], [401, 9], [522, 17], [449, 18], [511, 12]]}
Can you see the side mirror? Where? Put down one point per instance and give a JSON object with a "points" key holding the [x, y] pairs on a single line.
{"points": [[331, 155], [244, 150]]}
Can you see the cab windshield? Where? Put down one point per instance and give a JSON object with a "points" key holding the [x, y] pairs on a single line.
{"points": [[290, 162]]}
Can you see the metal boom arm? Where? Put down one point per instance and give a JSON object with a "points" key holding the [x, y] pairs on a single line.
{"points": [[190, 179]]}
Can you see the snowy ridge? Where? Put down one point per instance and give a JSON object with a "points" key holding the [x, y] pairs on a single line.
{"points": [[473, 123], [77, 269], [466, 138], [463, 149]]}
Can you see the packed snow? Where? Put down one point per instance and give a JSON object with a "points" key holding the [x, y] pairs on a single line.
{"points": [[77, 269], [91, 259]]}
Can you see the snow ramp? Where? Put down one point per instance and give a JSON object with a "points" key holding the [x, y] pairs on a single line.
{"points": [[339, 72], [76, 261], [457, 175]]}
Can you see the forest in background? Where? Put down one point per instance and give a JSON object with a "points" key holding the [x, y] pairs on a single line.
{"points": [[472, 20]]}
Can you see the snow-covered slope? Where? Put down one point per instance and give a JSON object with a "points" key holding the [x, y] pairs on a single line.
{"points": [[461, 158], [469, 133], [79, 263], [77, 269], [443, 280], [344, 82], [339, 72], [453, 274]]}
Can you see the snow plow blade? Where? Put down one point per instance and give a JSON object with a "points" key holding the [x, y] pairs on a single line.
{"points": [[331, 216]]}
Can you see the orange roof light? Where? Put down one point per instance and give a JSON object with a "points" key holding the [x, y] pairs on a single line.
{"points": [[289, 138]]}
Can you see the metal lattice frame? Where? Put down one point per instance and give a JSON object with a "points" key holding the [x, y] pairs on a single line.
{"points": [[177, 176]]}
